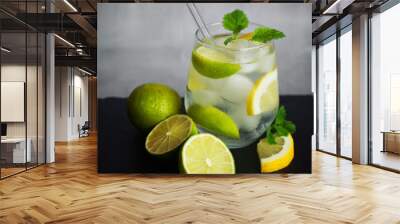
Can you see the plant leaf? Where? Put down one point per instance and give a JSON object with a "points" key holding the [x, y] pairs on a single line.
{"points": [[265, 34], [235, 21]]}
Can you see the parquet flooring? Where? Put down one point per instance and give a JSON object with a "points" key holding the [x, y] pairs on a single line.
{"points": [[71, 191]]}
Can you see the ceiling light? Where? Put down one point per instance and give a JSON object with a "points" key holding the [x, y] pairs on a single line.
{"points": [[5, 50], [70, 5], [65, 41], [84, 71]]}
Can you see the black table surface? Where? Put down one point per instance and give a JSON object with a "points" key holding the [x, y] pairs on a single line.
{"points": [[121, 146]]}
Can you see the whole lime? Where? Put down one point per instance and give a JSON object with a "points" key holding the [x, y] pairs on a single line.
{"points": [[151, 103]]}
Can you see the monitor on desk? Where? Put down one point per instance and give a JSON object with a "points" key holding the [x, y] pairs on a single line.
{"points": [[3, 130]]}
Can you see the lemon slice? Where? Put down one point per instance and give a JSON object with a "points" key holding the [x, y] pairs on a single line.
{"points": [[213, 63], [167, 135], [264, 97], [206, 154], [246, 36], [274, 157]]}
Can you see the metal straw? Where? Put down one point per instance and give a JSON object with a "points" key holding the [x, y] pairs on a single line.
{"points": [[199, 21]]}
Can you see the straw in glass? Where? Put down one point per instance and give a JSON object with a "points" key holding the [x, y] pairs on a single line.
{"points": [[199, 21]]}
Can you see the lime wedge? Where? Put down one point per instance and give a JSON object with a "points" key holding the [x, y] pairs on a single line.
{"points": [[274, 157], [214, 120], [264, 97], [206, 154], [213, 63], [169, 134], [195, 80]]}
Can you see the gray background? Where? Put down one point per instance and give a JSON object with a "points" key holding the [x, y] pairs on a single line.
{"points": [[152, 42]]}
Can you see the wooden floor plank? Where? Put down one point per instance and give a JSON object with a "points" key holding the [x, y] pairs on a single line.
{"points": [[71, 191]]}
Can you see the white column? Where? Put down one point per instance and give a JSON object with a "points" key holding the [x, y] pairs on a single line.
{"points": [[360, 90], [50, 100], [50, 92]]}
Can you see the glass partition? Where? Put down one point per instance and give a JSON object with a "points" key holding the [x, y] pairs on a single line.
{"points": [[22, 91], [14, 153], [327, 96]]}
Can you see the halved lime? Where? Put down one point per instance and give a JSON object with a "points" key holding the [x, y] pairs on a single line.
{"points": [[214, 120], [206, 154], [169, 134], [213, 63]]}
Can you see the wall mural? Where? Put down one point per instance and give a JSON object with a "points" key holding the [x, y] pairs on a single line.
{"points": [[205, 88]]}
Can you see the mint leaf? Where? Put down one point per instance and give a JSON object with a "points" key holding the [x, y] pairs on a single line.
{"points": [[265, 34], [280, 116], [235, 21], [290, 126], [281, 130], [228, 40], [280, 126]]}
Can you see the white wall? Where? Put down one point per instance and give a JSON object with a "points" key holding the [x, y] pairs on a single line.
{"points": [[70, 83]]}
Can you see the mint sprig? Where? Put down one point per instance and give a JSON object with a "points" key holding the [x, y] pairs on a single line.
{"points": [[280, 126], [265, 34], [237, 20]]}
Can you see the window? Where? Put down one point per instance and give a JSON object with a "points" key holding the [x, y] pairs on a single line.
{"points": [[327, 96], [346, 93], [385, 89]]}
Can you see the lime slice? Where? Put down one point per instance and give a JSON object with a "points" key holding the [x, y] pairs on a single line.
{"points": [[274, 157], [206, 154], [213, 63], [264, 97], [214, 120], [169, 134], [195, 80]]}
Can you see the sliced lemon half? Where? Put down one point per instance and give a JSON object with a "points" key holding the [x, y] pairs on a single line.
{"points": [[274, 157], [264, 97]]}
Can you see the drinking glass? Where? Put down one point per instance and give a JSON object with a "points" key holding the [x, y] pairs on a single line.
{"points": [[239, 80]]}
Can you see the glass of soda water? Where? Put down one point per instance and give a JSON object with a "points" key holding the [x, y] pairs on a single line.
{"points": [[232, 90]]}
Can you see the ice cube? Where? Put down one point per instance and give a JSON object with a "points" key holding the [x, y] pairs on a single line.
{"points": [[246, 123], [267, 62], [235, 88], [206, 98], [239, 44], [248, 68]]}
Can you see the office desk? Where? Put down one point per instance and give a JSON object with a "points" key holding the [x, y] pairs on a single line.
{"points": [[13, 150]]}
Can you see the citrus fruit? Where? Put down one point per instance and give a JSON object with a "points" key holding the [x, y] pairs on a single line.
{"points": [[274, 157], [213, 63], [214, 120], [169, 134], [151, 103], [206, 154], [195, 80], [264, 96], [246, 36]]}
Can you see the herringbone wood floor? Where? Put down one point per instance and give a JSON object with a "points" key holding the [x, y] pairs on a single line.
{"points": [[70, 191]]}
